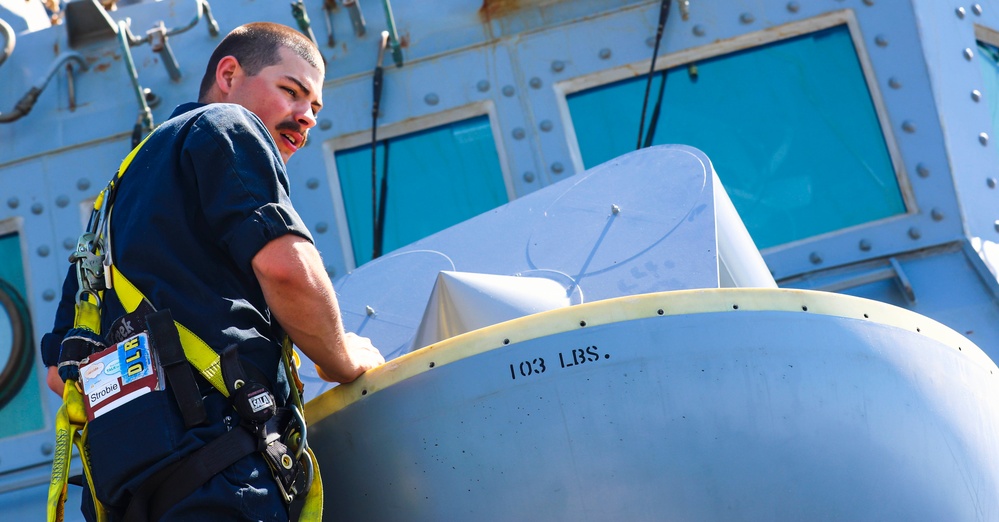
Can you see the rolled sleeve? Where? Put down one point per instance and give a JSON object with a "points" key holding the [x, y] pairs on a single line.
{"points": [[267, 223]]}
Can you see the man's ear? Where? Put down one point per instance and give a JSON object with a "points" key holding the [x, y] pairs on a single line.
{"points": [[225, 73]]}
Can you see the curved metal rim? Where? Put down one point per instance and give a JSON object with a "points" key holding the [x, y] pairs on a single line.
{"points": [[18, 367], [663, 304]]}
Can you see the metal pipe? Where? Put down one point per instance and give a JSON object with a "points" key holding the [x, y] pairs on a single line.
{"points": [[302, 17], [145, 119], [10, 39], [356, 17], [393, 34], [202, 9], [27, 101]]}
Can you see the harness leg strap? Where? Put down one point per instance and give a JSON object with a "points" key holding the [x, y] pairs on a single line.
{"points": [[172, 484], [178, 371]]}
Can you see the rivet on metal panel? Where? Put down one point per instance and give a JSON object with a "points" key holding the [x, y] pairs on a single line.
{"points": [[69, 243], [558, 66], [325, 124], [48, 294], [557, 168], [699, 30], [991, 182], [865, 245], [968, 53], [604, 53], [582, 323], [976, 95], [908, 126], [815, 258], [43, 251], [922, 170], [881, 41], [431, 99], [13, 202], [322, 227], [983, 138], [62, 201], [650, 41], [482, 86], [312, 183], [518, 133], [535, 82], [47, 448], [370, 311], [508, 90], [37, 208], [793, 7], [331, 271], [529, 176], [977, 9], [914, 233], [546, 125], [936, 214], [506, 341], [868, 2], [894, 83], [615, 209], [747, 18], [83, 183], [959, 12]]}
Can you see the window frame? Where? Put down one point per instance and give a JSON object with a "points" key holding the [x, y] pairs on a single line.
{"points": [[845, 17], [403, 128]]}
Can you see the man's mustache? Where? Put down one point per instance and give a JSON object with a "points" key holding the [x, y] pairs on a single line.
{"points": [[291, 125]]}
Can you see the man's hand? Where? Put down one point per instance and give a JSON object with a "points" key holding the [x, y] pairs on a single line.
{"points": [[54, 381], [364, 355]]}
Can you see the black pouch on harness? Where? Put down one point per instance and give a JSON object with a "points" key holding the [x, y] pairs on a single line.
{"points": [[280, 432]]}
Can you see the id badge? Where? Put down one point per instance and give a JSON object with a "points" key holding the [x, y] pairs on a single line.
{"points": [[119, 374]]}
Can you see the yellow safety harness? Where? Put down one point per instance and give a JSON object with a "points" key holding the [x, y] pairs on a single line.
{"points": [[71, 418]]}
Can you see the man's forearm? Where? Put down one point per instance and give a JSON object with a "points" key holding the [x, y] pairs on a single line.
{"points": [[301, 298]]}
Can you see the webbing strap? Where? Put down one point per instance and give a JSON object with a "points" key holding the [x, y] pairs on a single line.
{"points": [[197, 351], [70, 420]]}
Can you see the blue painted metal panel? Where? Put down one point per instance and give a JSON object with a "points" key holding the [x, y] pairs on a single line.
{"points": [[516, 66]]}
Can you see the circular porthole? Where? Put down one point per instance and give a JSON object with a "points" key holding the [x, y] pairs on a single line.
{"points": [[16, 353]]}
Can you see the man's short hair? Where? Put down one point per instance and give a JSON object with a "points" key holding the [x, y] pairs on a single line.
{"points": [[255, 46]]}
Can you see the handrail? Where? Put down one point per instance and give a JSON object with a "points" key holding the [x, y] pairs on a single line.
{"points": [[27, 101], [10, 39]]}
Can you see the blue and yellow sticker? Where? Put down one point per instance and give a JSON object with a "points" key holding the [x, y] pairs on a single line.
{"points": [[134, 358]]}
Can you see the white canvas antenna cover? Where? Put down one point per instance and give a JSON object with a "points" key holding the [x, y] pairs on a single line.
{"points": [[463, 301]]}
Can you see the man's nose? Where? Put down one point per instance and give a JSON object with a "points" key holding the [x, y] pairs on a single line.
{"points": [[306, 118]]}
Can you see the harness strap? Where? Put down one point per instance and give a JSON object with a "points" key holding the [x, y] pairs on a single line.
{"points": [[178, 371], [172, 484], [197, 351]]}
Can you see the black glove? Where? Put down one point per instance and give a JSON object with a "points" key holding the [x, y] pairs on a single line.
{"points": [[78, 344]]}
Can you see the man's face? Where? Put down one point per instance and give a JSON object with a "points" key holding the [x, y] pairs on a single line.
{"points": [[286, 96]]}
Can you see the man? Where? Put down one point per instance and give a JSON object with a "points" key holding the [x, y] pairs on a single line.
{"points": [[202, 225]]}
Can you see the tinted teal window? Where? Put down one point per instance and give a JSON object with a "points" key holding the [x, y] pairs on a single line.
{"points": [[20, 394], [990, 79], [790, 128], [436, 178]]}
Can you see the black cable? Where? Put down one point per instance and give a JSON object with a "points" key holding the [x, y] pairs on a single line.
{"points": [[379, 238], [654, 120], [663, 17], [376, 101]]}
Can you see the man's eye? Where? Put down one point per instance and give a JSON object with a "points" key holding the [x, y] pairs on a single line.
{"points": [[289, 91]]}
